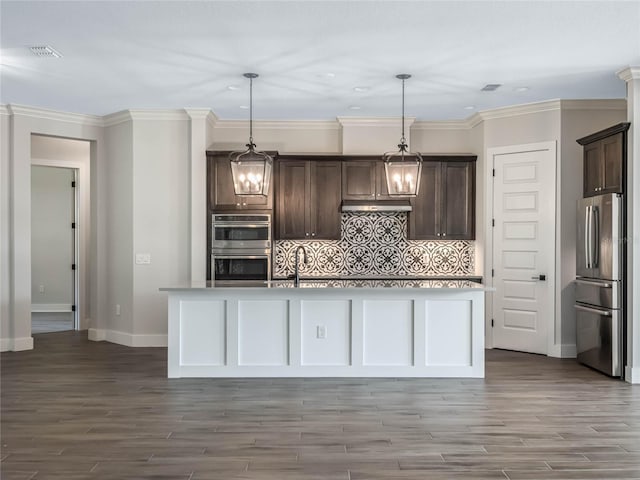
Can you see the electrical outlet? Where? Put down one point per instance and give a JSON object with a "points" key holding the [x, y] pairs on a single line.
{"points": [[41, 289], [321, 331], [143, 258], [117, 309]]}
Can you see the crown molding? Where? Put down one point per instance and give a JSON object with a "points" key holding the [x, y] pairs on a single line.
{"points": [[596, 104], [375, 121], [279, 124], [523, 109], [116, 118], [159, 115], [629, 73], [4, 110], [198, 113], [443, 125], [42, 113]]}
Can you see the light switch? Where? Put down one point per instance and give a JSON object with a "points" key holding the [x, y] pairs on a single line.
{"points": [[321, 331], [143, 258]]}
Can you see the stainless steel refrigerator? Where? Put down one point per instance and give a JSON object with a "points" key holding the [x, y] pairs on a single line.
{"points": [[599, 284]]}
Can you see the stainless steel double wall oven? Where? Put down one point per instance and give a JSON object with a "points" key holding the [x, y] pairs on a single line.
{"points": [[240, 247]]}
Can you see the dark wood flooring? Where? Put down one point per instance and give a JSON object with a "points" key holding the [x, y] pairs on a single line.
{"points": [[74, 409]]}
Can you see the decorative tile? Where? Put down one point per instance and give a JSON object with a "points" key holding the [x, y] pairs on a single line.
{"points": [[375, 245]]}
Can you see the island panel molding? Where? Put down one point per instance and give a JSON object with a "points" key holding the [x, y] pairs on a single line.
{"points": [[375, 245], [276, 330]]}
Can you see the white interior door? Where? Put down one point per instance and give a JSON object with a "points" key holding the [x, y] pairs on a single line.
{"points": [[523, 246]]}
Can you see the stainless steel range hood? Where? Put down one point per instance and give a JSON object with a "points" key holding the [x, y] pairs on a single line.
{"points": [[376, 206]]}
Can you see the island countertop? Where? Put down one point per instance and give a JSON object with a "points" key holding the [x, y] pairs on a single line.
{"points": [[310, 284]]}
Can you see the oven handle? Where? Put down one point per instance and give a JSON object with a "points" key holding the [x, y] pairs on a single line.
{"points": [[604, 313], [231, 257], [241, 225]]}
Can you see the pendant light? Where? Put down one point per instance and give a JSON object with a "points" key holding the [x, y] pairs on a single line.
{"points": [[251, 169], [402, 168]]}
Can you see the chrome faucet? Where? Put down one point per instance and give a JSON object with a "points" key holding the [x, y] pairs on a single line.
{"points": [[296, 273]]}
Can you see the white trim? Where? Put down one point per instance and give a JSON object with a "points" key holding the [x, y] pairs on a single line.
{"points": [[159, 115], [553, 349], [116, 118], [523, 109], [50, 307], [632, 374], [127, 339], [374, 121], [16, 344], [4, 110], [629, 73], [277, 124], [565, 350], [198, 113], [443, 125], [41, 113], [595, 104]]}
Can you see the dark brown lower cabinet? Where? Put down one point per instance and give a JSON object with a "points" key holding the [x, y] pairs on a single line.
{"points": [[445, 206], [308, 197]]}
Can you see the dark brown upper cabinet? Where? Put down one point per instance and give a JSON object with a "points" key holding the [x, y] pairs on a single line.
{"points": [[220, 187], [364, 180], [604, 160], [445, 206], [308, 197]]}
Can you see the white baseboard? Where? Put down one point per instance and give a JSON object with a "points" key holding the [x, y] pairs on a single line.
{"points": [[127, 339], [50, 307], [16, 344], [632, 374], [564, 350]]}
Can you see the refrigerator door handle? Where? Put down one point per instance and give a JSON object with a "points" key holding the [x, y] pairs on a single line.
{"points": [[595, 239], [604, 313], [594, 283], [587, 236]]}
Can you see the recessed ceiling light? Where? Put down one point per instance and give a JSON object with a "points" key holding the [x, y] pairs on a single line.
{"points": [[244, 107], [470, 107], [354, 107], [233, 87], [360, 89], [521, 89], [490, 87], [45, 51]]}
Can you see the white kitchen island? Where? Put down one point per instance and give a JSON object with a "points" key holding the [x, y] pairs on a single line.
{"points": [[340, 328]]}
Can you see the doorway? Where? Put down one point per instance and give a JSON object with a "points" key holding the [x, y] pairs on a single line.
{"points": [[54, 241], [522, 245]]}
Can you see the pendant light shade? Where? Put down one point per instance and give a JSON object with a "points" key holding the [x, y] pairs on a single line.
{"points": [[251, 169], [402, 167]]}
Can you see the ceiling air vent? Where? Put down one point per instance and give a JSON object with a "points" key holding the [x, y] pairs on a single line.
{"points": [[45, 51], [490, 87]]}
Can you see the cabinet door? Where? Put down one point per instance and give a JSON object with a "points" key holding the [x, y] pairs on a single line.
{"points": [[291, 216], [424, 219], [359, 180], [221, 193], [612, 164], [458, 200], [325, 197], [592, 168], [382, 192]]}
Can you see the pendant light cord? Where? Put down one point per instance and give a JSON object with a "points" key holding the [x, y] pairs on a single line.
{"points": [[403, 140], [251, 144]]}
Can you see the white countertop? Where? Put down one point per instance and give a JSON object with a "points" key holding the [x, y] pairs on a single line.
{"points": [[323, 284]]}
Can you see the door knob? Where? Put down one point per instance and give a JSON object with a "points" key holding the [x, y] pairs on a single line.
{"points": [[539, 277]]}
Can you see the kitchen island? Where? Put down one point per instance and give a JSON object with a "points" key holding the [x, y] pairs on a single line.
{"points": [[327, 328]]}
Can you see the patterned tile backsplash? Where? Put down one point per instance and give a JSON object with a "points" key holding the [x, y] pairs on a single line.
{"points": [[375, 245]]}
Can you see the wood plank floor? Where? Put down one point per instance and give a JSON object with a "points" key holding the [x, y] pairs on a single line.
{"points": [[74, 409]]}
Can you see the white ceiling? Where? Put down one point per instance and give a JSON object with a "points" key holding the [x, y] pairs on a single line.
{"points": [[311, 54]]}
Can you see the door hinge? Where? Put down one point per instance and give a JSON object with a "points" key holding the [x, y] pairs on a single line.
{"points": [[73, 308], [493, 272], [73, 184], [493, 172], [73, 224], [493, 222], [73, 266], [492, 322]]}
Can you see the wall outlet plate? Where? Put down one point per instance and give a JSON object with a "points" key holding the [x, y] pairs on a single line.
{"points": [[143, 258]]}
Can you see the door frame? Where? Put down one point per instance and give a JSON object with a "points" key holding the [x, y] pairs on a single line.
{"points": [[81, 233], [552, 146]]}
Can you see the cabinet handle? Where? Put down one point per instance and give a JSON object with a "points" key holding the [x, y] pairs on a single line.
{"points": [[313, 234], [306, 234], [237, 204], [444, 234], [437, 234], [373, 194]]}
